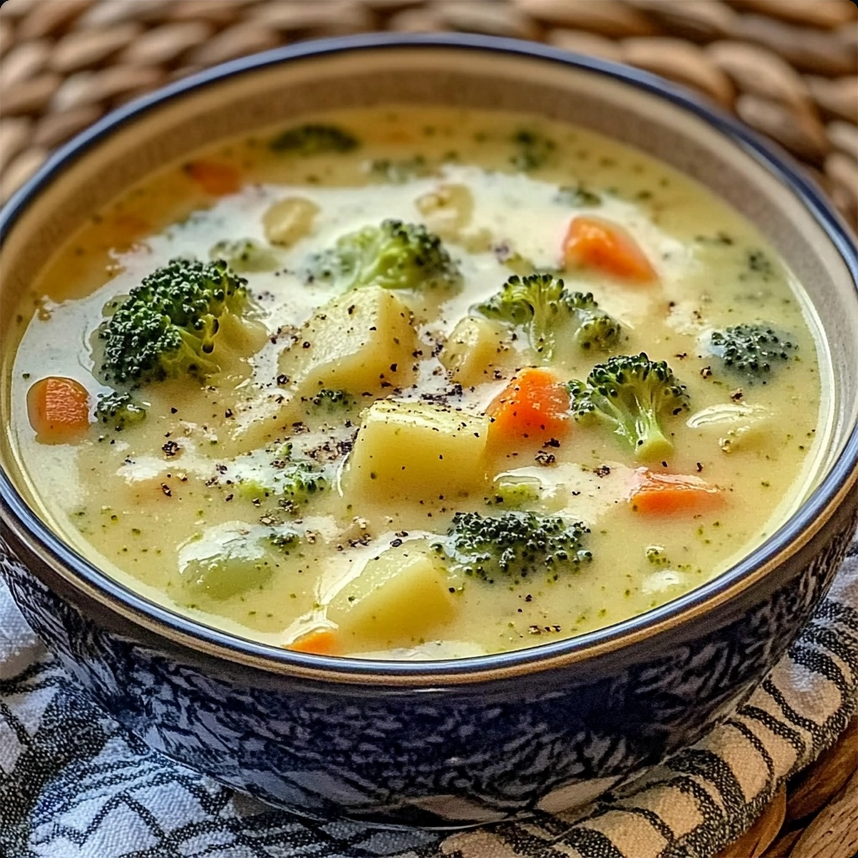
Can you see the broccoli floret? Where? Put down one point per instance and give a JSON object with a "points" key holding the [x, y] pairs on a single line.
{"points": [[120, 410], [312, 139], [551, 314], [329, 401], [245, 254], [300, 482], [168, 325], [632, 394], [577, 196], [285, 540], [514, 546], [533, 149], [393, 255], [596, 329], [656, 556], [758, 264], [752, 351], [397, 171], [292, 484]]}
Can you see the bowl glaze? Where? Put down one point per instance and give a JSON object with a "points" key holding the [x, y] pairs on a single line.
{"points": [[437, 744]]}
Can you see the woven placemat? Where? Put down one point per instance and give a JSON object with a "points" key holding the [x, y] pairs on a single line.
{"points": [[788, 68]]}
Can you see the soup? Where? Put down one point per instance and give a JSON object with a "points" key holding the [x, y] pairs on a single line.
{"points": [[402, 383]]}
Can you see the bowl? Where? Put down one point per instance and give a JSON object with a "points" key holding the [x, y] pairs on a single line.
{"points": [[441, 743]]}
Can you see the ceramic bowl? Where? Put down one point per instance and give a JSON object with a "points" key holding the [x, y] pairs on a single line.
{"points": [[443, 743]]}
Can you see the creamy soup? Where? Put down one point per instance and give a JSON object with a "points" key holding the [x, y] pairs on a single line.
{"points": [[416, 384]]}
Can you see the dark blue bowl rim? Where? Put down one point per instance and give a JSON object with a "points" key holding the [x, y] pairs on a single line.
{"points": [[609, 639]]}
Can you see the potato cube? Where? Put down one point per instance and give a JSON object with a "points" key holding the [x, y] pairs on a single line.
{"points": [[447, 210], [418, 450], [474, 348], [289, 220], [397, 599], [361, 342], [739, 426]]}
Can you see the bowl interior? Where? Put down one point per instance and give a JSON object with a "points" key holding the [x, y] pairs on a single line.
{"points": [[247, 96]]}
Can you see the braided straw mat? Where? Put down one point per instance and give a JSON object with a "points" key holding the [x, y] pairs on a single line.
{"points": [[788, 68]]}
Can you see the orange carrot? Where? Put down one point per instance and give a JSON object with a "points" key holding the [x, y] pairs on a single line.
{"points": [[533, 405], [319, 642], [598, 243], [214, 178], [665, 494], [58, 409]]}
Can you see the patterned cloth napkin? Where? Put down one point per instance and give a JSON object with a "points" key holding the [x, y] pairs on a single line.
{"points": [[73, 784]]}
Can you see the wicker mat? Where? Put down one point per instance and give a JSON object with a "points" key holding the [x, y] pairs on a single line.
{"points": [[789, 68]]}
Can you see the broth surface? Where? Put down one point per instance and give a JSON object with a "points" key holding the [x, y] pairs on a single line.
{"points": [[196, 479]]}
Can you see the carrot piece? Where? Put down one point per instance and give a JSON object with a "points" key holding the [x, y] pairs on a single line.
{"points": [[601, 244], [214, 178], [319, 642], [666, 494], [58, 409], [533, 405]]}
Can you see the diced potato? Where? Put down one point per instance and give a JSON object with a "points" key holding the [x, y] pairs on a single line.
{"points": [[398, 598], [418, 450], [361, 342], [289, 220], [738, 426], [474, 348], [447, 210], [752, 436]]}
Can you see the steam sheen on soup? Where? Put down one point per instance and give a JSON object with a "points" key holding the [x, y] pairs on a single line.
{"points": [[416, 384]]}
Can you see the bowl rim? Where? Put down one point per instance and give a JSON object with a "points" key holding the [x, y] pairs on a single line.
{"points": [[167, 623]]}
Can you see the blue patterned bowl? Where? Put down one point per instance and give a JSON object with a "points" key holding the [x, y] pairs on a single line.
{"points": [[456, 742]]}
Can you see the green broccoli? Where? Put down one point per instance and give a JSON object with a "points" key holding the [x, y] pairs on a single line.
{"points": [[751, 351], [393, 255], [245, 254], [655, 555], [578, 196], [120, 410], [291, 484], [533, 149], [314, 139], [632, 394], [514, 546], [329, 401], [168, 325], [285, 540], [758, 264], [551, 314], [398, 171], [299, 482]]}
